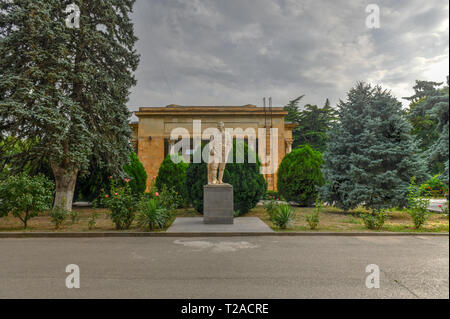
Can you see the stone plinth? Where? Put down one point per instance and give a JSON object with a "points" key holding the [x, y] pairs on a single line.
{"points": [[218, 204]]}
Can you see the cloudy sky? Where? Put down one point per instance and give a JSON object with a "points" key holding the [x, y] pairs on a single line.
{"points": [[234, 52]]}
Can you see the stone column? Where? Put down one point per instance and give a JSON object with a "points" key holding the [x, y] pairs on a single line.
{"points": [[288, 142]]}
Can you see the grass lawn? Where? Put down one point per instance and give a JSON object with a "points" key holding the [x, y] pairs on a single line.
{"points": [[331, 220], [336, 220]]}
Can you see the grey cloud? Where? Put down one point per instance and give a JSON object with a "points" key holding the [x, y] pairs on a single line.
{"points": [[234, 52]]}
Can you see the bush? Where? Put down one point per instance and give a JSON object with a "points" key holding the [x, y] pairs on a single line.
{"points": [[92, 220], [434, 187], [299, 175], [136, 172], [152, 214], [417, 205], [249, 185], [90, 186], [284, 216], [74, 216], [271, 207], [122, 203], [375, 220], [172, 175], [313, 219], [25, 196], [58, 215], [273, 195]]}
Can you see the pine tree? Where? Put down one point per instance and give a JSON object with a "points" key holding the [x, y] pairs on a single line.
{"points": [[371, 155], [67, 88], [313, 126], [428, 114]]}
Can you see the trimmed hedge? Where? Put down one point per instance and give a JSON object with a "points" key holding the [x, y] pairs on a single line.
{"points": [[249, 185], [172, 175], [299, 175]]}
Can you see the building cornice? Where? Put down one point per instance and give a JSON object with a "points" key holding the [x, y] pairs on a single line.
{"points": [[207, 110]]}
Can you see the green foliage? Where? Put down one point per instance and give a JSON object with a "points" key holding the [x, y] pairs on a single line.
{"points": [[25, 196], [371, 155], [375, 220], [444, 209], [313, 123], [299, 175], [122, 203], [271, 207], [152, 214], [434, 187], [67, 88], [313, 219], [172, 175], [284, 216], [249, 185], [92, 220], [428, 114], [74, 216], [58, 215], [273, 195], [136, 172], [170, 199], [417, 205]]}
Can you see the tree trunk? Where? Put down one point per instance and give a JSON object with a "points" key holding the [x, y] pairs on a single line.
{"points": [[65, 180]]}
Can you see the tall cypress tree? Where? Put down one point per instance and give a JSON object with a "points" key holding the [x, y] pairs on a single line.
{"points": [[371, 155], [66, 88]]}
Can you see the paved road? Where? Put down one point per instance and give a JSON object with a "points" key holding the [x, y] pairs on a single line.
{"points": [[229, 267]]}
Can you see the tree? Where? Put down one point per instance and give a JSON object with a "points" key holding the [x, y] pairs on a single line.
{"points": [[300, 175], [313, 123], [428, 114], [172, 175], [25, 196], [67, 88], [371, 155]]}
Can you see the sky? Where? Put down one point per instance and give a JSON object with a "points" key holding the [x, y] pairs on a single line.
{"points": [[235, 52]]}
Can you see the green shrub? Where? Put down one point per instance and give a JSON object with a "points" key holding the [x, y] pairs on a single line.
{"points": [[434, 187], [273, 195], [92, 220], [25, 196], [299, 175], [170, 199], [375, 220], [284, 216], [152, 214], [313, 219], [58, 215], [74, 216], [249, 185], [136, 172], [417, 205], [172, 175], [271, 207], [122, 203]]}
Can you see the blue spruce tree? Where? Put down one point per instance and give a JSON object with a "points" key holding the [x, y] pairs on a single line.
{"points": [[371, 155]]}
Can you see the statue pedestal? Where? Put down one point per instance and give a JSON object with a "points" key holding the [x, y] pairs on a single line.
{"points": [[218, 204]]}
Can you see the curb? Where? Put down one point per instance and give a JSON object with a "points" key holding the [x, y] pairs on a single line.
{"points": [[202, 234]]}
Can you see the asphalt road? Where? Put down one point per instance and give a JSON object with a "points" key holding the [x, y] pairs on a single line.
{"points": [[228, 267]]}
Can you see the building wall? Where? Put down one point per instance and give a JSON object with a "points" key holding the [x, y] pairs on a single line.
{"points": [[154, 128]]}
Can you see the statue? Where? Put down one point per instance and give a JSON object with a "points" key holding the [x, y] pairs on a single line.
{"points": [[219, 145]]}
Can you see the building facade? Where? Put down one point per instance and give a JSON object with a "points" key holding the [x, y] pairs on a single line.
{"points": [[152, 132]]}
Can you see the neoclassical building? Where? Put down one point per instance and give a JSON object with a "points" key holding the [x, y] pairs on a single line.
{"points": [[152, 132]]}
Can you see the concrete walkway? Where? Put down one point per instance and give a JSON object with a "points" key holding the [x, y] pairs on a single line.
{"points": [[241, 225]]}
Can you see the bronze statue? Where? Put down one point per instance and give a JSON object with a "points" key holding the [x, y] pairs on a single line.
{"points": [[219, 145]]}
